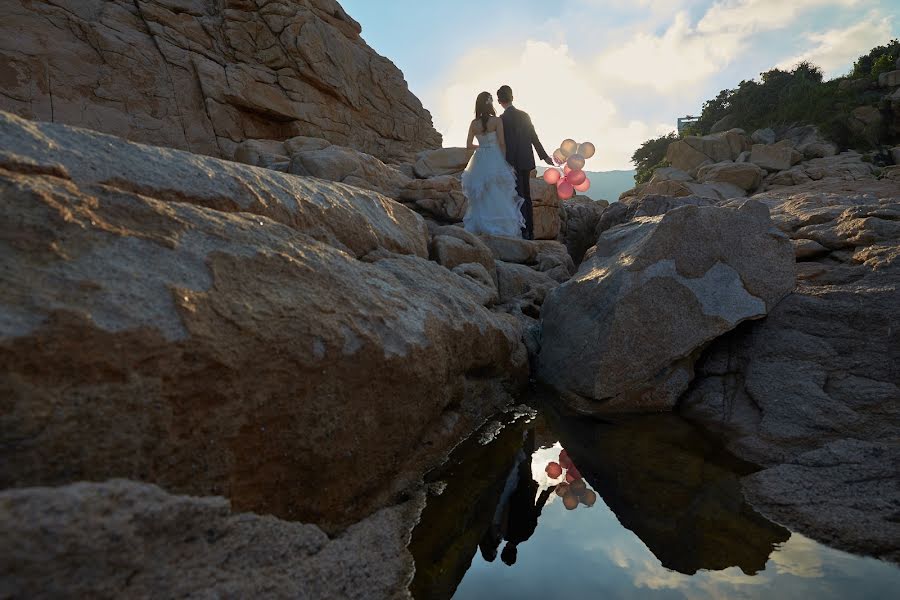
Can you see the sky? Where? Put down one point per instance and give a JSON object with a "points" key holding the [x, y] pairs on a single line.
{"points": [[613, 72]]}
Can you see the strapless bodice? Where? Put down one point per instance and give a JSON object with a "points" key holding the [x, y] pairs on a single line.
{"points": [[487, 139]]}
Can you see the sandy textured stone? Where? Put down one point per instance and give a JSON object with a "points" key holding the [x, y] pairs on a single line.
{"points": [[623, 333], [128, 539], [546, 205], [692, 152], [205, 76], [179, 319], [452, 246], [519, 280], [345, 165]]}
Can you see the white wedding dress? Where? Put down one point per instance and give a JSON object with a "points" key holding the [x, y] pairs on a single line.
{"points": [[489, 184]]}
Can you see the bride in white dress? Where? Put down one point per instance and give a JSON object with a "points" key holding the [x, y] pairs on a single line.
{"points": [[489, 182]]}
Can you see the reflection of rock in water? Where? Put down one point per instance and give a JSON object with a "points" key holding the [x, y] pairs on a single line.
{"points": [[677, 490], [454, 523]]}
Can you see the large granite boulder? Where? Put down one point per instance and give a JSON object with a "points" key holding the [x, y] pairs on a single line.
{"points": [[205, 76], [692, 152], [812, 390], [346, 165], [623, 333], [223, 329], [546, 208], [127, 539], [777, 157], [443, 161], [746, 176]]}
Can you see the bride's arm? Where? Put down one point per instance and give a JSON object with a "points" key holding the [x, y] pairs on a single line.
{"points": [[501, 139], [469, 144]]}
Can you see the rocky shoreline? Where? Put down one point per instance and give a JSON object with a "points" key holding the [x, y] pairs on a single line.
{"points": [[228, 359]]}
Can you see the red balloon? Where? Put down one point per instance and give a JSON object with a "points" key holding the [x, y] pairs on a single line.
{"points": [[565, 190], [567, 169], [576, 178], [553, 470], [584, 186], [551, 176]]}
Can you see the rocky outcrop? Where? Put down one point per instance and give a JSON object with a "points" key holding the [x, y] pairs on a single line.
{"points": [[222, 329], [692, 152], [623, 333], [777, 157], [443, 161], [128, 539], [205, 76], [579, 221], [812, 390], [547, 207], [440, 198]]}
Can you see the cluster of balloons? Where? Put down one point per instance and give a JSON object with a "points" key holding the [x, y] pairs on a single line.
{"points": [[573, 490], [571, 156]]}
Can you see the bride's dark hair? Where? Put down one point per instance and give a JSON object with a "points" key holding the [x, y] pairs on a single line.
{"points": [[484, 109]]}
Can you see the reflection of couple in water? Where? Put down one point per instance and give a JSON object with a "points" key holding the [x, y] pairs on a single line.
{"points": [[520, 506]]}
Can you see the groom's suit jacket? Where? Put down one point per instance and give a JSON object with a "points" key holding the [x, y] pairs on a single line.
{"points": [[520, 137]]}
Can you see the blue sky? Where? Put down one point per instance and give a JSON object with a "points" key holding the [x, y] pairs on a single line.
{"points": [[614, 72]]}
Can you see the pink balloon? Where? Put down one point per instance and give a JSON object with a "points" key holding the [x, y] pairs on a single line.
{"points": [[567, 170], [565, 190], [551, 176], [575, 162], [576, 178], [584, 186]]}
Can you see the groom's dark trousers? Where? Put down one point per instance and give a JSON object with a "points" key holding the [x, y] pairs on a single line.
{"points": [[520, 137]]}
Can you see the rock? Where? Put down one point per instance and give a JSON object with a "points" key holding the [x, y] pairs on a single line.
{"points": [[204, 77], [516, 281], [692, 152], [646, 206], [793, 176], [746, 176], [714, 190], [345, 165], [777, 157], [839, 495], [895, 154], [581, 217], [623, 333], [763, 136], [438, 197], [129, 539], [178, 319], [670, 174], [819, 371], [486, 290], [806, 249], [443, 161], [743, 157], [724, 124], [867, 123], [261, 153], [807, 140], [546, 205], [889, 79], [453, 246]]}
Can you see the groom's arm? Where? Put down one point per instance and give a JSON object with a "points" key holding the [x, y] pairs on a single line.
{"points": [[537, 144]]}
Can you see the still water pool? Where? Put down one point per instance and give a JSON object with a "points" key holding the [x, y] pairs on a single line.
{"points": [[543, 505]]}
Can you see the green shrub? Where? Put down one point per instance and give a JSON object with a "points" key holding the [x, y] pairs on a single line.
{"points": [[883, 55], [651, 156]]}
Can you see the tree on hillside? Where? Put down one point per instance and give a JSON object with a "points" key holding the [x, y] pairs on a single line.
{"points": [[880, 59], [650, 156]]}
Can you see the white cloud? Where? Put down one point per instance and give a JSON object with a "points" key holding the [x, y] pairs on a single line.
{"points": [[745, 17], [835, 50], [558, 93]]}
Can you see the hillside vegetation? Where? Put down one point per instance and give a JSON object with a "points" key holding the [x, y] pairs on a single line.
{"points": [[783, 98]]}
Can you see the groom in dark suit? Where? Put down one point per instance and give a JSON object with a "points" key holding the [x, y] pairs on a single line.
{"points": [[520, 137]]}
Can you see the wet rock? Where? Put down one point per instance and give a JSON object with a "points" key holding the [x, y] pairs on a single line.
{"points": [[124, 538], [178, 319], [205, 77], [623, 333]]}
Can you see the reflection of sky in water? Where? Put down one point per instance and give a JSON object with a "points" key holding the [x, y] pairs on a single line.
{"points": [[587, 553]]}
